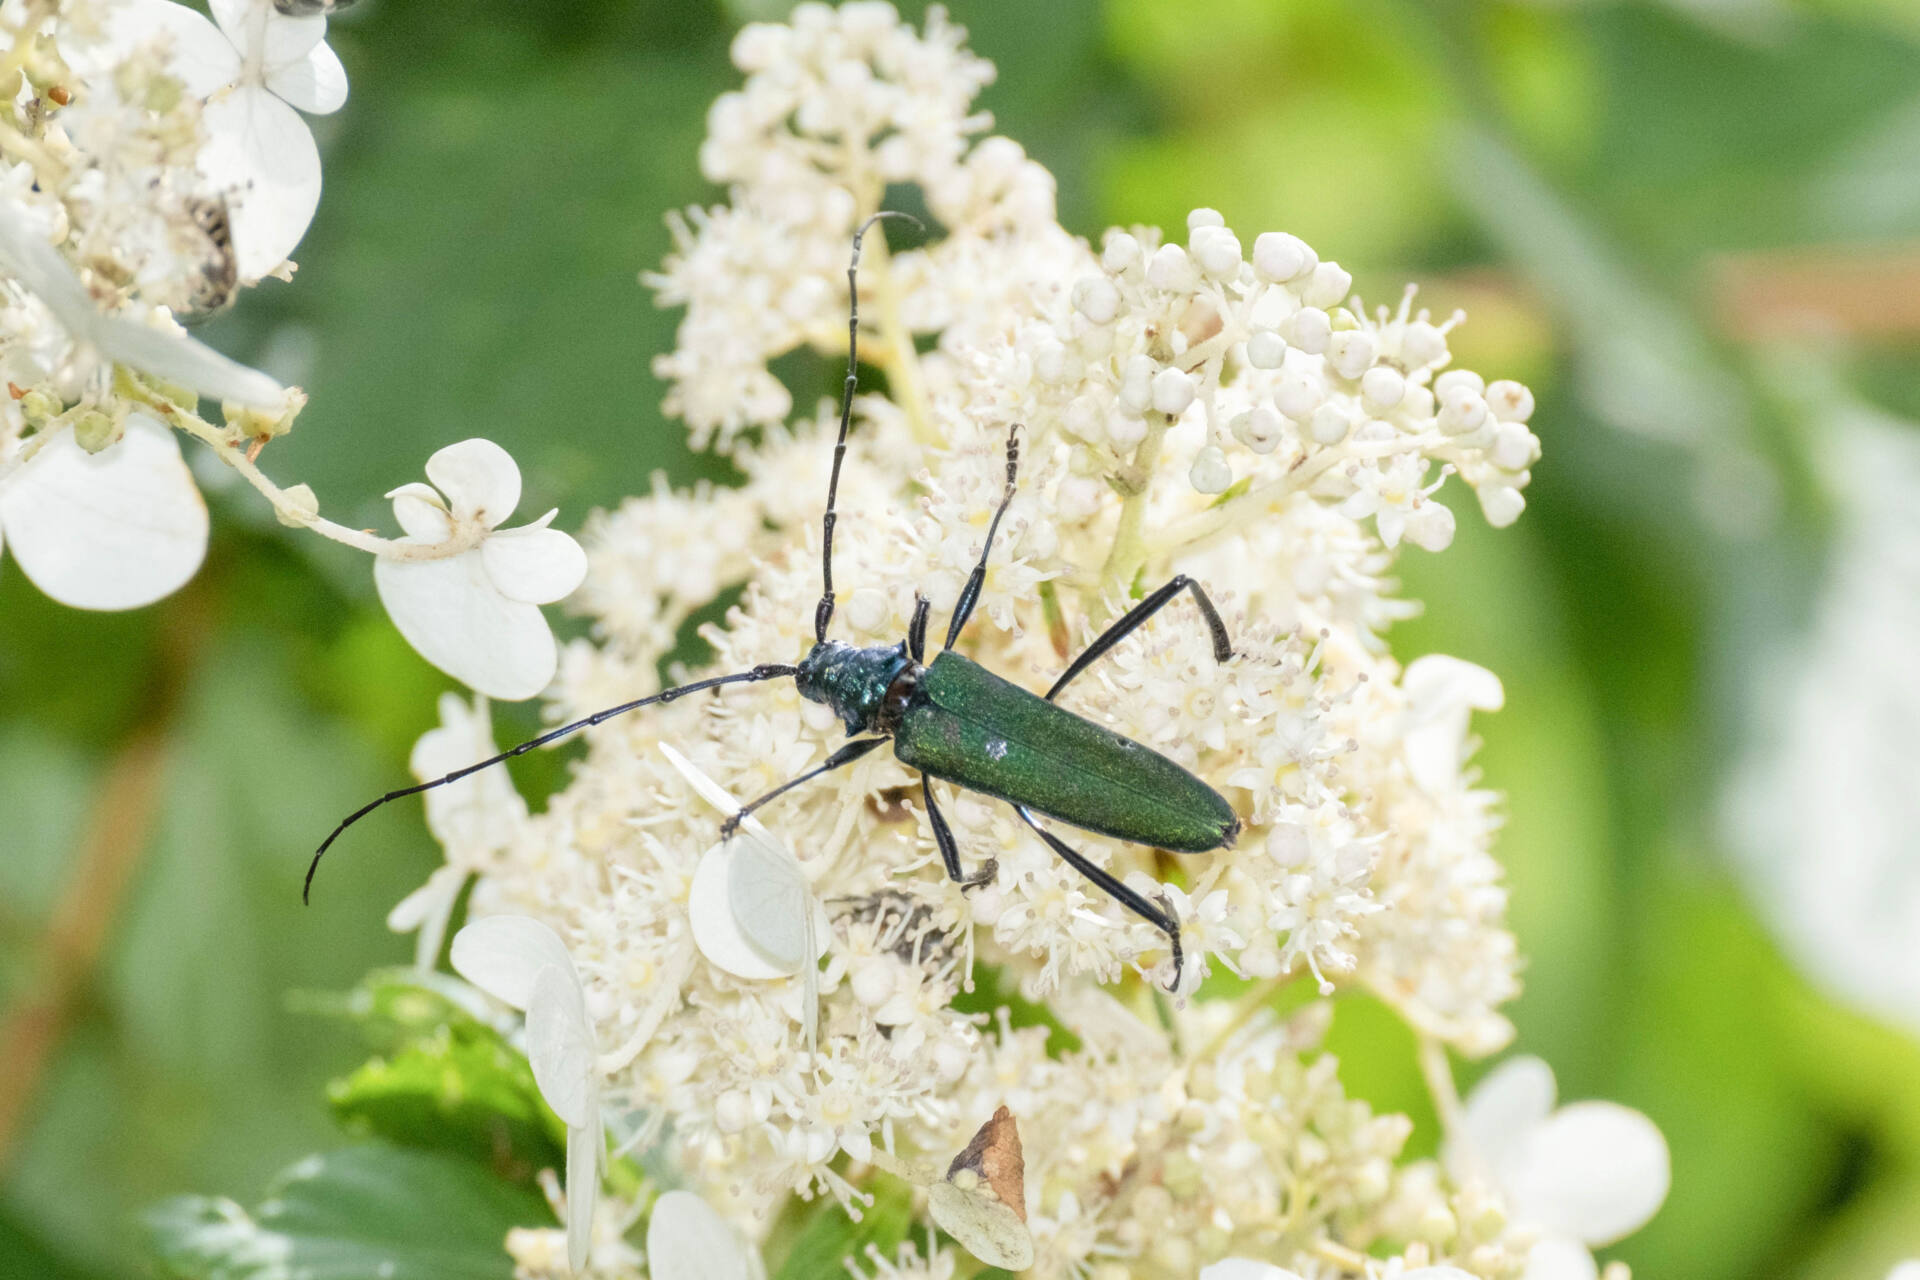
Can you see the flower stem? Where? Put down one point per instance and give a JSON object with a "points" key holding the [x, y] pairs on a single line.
{"points": [[290, 509], [1439, 1076], [1129, 552]]}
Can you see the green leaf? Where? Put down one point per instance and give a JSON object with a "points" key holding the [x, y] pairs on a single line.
{"points": [[448, 1080], [347, 1215], [468, 1096], [830, 1235]]}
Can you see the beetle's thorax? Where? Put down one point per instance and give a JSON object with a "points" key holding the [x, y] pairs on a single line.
{"points": [[867, 688]]}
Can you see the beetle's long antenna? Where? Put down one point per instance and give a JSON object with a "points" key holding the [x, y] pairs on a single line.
{"points": [[823, 612], [765, 671]]}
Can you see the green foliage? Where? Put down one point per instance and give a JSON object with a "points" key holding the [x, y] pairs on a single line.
{"points": [[447, 1082], [346, 1215]]}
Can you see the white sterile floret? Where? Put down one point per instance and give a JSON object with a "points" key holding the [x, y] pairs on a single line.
{"points": [[687, 1240], [475, 613], [752, 910], [115, 529], [521, 962], [1586, 1174], [257, 69], [472, 819], [1442, 693]]}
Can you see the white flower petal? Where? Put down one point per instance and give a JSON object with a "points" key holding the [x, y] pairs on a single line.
{"points": [[687, 1240], [421, 512], [538, 566], [703, 785], [1245, 1269], [1508, 1104], [560, 1045], [502, 955], [26, 255], [266, 36], [197, 52], [1558, 1258], [1595, 1171], [1441, 683], [481, 480], [261, 153], [316, 84], [113, 530], [716, 931], [584, 1146], [1905, 1271], [1441, 694], [449, 610], [995, 1234], [770, 898]]}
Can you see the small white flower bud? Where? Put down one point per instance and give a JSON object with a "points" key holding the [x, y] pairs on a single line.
{"points": [[988, 904], [1078, 496], [1050, 362], [1126, 430], [1514, 447], [1382, 387], [1430, 526], [732, 1111], [297, 506], [1350, 352], [1211, 472], [1082, 419], [1136, 383], [1120, 252], [1309, 329], [1097, 299], [1217, 250], [1172, 270], [1510, 401], [867, 610], [1501, 504], [1422, 345], [1329, 424], [1259, 428], [1464, 379], [1279, 257], [1204, 217], [1172, 392], [1417, 403], [1461, 410], [1328, 287], [873, 981], [950, 1061], [1266, 349], [1374, 431], [1299, 394]]}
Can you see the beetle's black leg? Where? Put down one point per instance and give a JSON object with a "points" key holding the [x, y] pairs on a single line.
{"points": [[765, 671], [1113, 635], [970, 594], [1160, 917], [845, 755], [917, 629], [823, 612], [949, 849]]}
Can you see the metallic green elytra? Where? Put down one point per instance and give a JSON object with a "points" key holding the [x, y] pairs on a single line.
{"points": [[954, 720], [967, 726]]}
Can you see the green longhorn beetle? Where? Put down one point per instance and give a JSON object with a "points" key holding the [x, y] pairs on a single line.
{"points": [[953, 719]]}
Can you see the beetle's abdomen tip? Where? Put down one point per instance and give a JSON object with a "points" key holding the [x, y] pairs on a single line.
{"points": [[1231, 834]]}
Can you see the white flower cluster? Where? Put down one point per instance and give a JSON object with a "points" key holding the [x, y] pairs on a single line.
{"points": [[152, 164], [1185, 410]]}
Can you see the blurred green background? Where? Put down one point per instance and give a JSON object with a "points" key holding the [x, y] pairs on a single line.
{"points": [[1692, 227]]}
